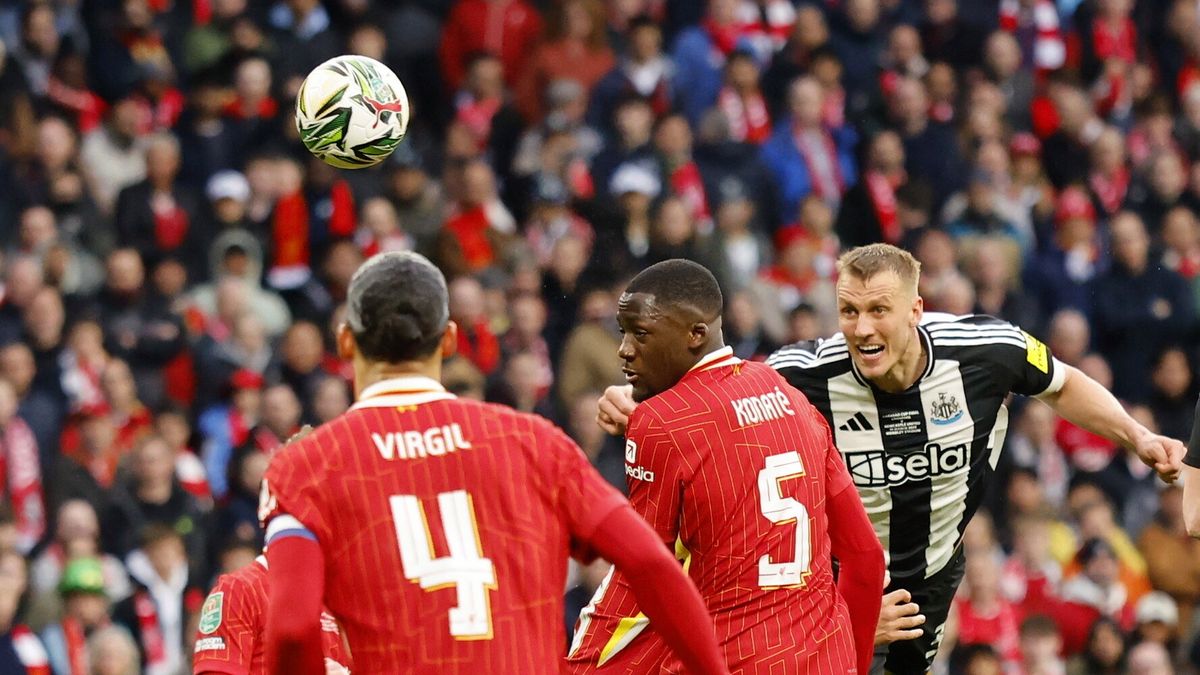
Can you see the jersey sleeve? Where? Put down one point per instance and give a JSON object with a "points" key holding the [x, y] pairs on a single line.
{"points": [[231, 625], [1018, 360], [1192, 458], [585, 499], [656, 471], [292, 488]]}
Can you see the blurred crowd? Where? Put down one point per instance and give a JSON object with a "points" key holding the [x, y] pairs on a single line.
{"points": [[174, 263]]}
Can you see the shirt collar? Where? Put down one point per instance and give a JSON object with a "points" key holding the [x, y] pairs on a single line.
{"points": [[402, 391], [721, 357]]}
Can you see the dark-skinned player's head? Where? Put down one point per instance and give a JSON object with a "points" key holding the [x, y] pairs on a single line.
{"points": [[397, 311], [670, 318]]}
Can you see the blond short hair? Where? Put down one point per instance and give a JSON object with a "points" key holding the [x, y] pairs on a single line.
{"points": [[864, 262]]}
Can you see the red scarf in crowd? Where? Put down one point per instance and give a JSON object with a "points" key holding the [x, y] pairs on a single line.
{"points": [[76, 639], [290, 225], [825, 184], [479, 345], [724, 38], [883, 201], [149, 629], [687, 183], [470, 230], [1049, 50], [266, 108], [22, 474], [170, 222], [88, 107], [748, 117], [1114, 42]]}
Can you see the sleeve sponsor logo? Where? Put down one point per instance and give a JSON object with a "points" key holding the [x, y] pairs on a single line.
{"points": [[210, 644], [631, 452], [210, 613], [1036, 353]]}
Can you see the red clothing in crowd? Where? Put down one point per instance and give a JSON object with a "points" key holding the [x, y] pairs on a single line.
{"points": [[507, 28]]}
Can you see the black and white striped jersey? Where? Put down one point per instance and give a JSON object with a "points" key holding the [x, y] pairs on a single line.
{"points": [[922, 458]]}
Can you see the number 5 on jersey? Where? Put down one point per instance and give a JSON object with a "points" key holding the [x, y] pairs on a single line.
{"points": [[471, 574], [781, 511]]}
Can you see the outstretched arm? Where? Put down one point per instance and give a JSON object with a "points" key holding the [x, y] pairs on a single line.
{"points": [[1083, 401], [663, 591]]}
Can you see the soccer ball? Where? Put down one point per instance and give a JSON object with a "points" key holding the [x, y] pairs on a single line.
{"points": [[351, 112]]}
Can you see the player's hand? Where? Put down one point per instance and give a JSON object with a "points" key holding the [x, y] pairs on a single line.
{"points": [[1164, 454], [614, 409], [304, 431], [899, 619]]}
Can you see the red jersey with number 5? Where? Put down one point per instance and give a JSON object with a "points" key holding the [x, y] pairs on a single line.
{"points": [[734, 466], [445, 525]]}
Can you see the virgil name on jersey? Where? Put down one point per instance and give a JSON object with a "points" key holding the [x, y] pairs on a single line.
{"points": [[921, 458]]}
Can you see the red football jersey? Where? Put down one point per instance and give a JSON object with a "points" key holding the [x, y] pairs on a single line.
{"points": [[445, 525], [734, 466], [233, 623]]}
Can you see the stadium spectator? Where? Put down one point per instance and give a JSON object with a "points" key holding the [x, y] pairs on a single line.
{"points": [[644, 70], [575, 46], [226, 425], [1173, 388], [1137, 297], [111, 651], [86, 610], [159, 612]]}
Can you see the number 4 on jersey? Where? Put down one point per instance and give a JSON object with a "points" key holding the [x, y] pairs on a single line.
{"points": [[471, 574], [781, 511]]}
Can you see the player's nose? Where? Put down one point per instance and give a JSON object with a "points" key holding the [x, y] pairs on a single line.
{"points": [[625, 350]]}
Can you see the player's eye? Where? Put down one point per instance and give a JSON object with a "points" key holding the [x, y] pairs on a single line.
{"points": [[880, 310], [849, 311], [639, 334]]}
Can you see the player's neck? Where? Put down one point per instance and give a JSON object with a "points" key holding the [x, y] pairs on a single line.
{"points": [[906, 371], [369, 373]]}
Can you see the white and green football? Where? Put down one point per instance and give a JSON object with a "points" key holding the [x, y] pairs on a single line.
{"points": [[352, 111]]}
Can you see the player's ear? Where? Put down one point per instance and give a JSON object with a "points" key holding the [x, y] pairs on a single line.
{"points": [[346, 345], [698, 335], [450, 340], [918, 309]]}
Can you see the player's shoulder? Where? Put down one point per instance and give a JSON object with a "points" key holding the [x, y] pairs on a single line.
{"points": [[242, 582], [822, 355], [971, 333]]}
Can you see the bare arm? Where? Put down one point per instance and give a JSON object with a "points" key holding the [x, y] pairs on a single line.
{"points": [[1191, 499], [1083, 401]]}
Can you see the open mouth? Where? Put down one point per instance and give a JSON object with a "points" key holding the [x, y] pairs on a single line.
{"points": [[630, 376], [870, 350]]}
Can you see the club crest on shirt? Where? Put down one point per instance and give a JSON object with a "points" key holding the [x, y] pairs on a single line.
{"points": [[945, 410], [210, 613]]}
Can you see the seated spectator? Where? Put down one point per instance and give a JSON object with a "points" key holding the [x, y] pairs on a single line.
{"points": [[20, 472], [1181, 246], [806, 156], [1065, 152], [1095, 593], [1031, 577], [585, 363], [1157, 620], [172, 425], [792, 280], [736, 249], [1059, 273], [478, 235], [982, 215], [485, 115], [870, 211], [681, 175], [1149, 658], [699, 54], [467, 31], [301, 358], [1103, 652], [86, 610], [1138, 308], [743, 329], [551, 218], [227, 424], [602, 450], [1172, 393], [237, 518], [983, 615], [111, 651], [1172, 560], [1165, 181], [21, 651], [419, 201], [1109, 180], [994, 266], [522, 385], [379, 229], [931, 150], [644, 70], [163, 604], [237, 254], [150, 494], [475, 338], [112, 156], [76, 536], [331, 398], [1041, 647], [1069, 336], [139, 327], [159, 217], [576, 46], [742, 102], [1032, 446]]}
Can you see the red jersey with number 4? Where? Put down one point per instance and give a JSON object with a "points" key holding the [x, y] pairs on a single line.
{"points": [[445, 525], [233, 623], [735, 466]]}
